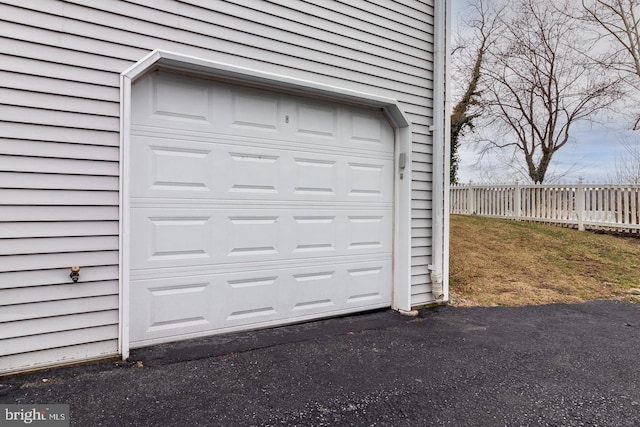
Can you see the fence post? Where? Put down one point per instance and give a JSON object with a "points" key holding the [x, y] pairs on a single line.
{"points": [[470, 200], [580, 204], [516, 201]]}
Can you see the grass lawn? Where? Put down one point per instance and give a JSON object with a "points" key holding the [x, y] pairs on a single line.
{"points": [[503, 262]]}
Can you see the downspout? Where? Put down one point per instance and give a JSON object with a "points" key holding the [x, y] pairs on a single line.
{"points": [[440, 185]]}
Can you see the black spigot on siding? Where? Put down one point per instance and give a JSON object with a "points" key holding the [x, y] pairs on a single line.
{"points": [[75, 273]]}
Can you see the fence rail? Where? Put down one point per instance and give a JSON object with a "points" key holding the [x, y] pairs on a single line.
{"points": [[585, 206]]}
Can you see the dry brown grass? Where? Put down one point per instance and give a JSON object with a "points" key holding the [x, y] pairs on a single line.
{"points": [[502, 262]]}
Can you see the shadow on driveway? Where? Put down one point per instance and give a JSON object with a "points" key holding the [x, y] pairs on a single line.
{"points": [[562, 365]]}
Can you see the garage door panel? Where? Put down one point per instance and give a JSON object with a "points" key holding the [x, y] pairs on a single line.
{"points": [[254, 173], [368, 131], [252, 208], [368, 232], [179, 237], [368, 284], [254, 111], [225, 109], [315, 233], [314, 292], [163, 166], [184, 169], [173, 306], [255, 236], [193, 306], [172, 238], [366, 179], [180, 100], [253, 299], [316, 121]]}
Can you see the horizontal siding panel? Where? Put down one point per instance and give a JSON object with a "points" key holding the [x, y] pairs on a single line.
{"points": [[317, 34], [422, 232], [420, 127], [422, 299], [50, 245], [73, 49], [418, 166], [48, 101], [58, 181], [420, 279], [265, 19], [52, 357], [420, 241], [420, 213], [36, 149], [38, 310], [421, 261], [419, 109], [58, 213], [11, 113], [425, 158], [418, 223], [403, 9], [57, 292], [422, 143], [56, 86], [421, 176], [422, 288], [248, 48], [11, 61], [421, 204], [422, 148], [419, 269], [421, 195], [58, 166], [59, 260], [18, 332], [58, 339], [421, 186], [420, 251], [56, 276], [227, 36], [61, 134], [12, 230], [347, 12], [58, 197]]}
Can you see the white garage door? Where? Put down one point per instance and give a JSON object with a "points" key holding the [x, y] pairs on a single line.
{"points": [[252, 208]]}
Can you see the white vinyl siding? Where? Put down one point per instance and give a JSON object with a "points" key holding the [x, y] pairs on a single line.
{"points": [[60, 65]]}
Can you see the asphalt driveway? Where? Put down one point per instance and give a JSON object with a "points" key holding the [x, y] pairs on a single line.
{"points": [[561, 365]]}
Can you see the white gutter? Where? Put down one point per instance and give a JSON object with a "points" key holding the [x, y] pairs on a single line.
{"points": [[441, 146]]}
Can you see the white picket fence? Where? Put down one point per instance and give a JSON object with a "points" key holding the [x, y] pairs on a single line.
{"points": [[585, 206]]}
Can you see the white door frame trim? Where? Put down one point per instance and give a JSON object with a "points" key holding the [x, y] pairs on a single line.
{"points": [[159, 59]]}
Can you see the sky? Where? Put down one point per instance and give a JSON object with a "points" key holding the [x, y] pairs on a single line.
{"points": [[591, 154]]}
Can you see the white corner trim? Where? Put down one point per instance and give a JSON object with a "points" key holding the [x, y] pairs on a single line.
{"points": [[170, 60], [440, 128], [159, 59]]}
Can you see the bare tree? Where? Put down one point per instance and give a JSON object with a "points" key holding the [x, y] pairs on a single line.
{"points": [[627, 169], [617, 28], [617, 24], [481, 29], [538, 84]]}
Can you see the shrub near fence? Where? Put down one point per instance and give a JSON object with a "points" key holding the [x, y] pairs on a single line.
{"points": [[585, 206]]}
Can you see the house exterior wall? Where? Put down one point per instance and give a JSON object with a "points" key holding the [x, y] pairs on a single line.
{"points": [[60, 66]]}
